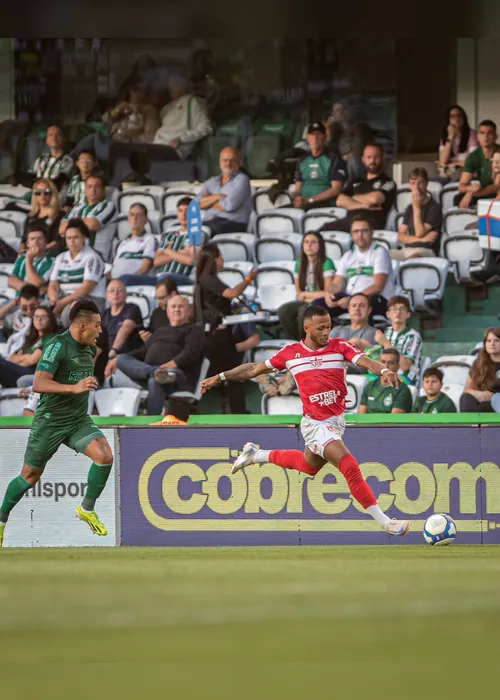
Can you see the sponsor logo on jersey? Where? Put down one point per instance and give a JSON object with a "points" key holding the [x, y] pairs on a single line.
{"points": [[325, 398], [77, 376], [317, 361]]}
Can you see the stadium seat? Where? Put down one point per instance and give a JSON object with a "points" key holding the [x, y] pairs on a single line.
{"points": [[262, 203], [455, 220], [453, 391], [234, 247], [425, 363], [387, 238], [455, 368], [281, 405], [144, 297], [435, 188], [316, 218], [447, 196], [275, 249], [4, 281], [279, 221], [463, 251], [278, 272], [413, 391], [403, 197], [195, 395], [103, 242], [423, 280], [272, 296], [355, 384], [117, 401], [149, 196], [398, 220], [341, 237], [235, 272], [262, 148], [171, 197], [12, 224], [7, 268], [333, 249], [268, 348], [11, 404]]}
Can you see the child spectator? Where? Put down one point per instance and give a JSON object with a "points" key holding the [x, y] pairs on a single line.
{"points": [[434, 400]]}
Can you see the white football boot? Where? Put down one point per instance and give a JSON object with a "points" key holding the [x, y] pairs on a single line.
{"points": [[246, 457]]}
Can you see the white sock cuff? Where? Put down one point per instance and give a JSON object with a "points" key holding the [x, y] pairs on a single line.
{"points": [[262, 456]]}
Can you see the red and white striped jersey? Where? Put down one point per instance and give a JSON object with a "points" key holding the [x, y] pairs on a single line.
{"points": [[319, 374]]}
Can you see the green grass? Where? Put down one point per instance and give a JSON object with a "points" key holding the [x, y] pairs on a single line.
{"points": [[267, 623]]}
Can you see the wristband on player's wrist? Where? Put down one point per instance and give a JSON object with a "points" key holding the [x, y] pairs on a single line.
{"points": [[386, 369], [222, 377]]}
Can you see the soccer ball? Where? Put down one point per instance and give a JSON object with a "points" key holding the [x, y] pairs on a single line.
{"points": [[440, 529]]}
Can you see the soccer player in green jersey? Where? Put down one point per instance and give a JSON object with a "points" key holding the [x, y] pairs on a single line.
{"points": [[64, 377]]}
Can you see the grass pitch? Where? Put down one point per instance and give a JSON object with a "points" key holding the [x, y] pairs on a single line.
{"points": [[267, 623]]}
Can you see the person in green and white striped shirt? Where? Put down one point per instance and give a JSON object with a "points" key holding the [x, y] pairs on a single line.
{"points": [[400, 336], [96, 212], [34, 266], [86, 165]]}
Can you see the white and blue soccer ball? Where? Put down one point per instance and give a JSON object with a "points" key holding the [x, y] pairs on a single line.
{"points": [[440, 529]]}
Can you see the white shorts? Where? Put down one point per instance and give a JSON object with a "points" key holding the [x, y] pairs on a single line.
{"points": [[318, 434]]}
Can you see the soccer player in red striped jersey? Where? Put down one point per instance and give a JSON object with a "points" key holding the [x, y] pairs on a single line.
{"points": [[318, 366]]}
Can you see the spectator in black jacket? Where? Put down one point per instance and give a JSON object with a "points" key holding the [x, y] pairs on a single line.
{"points": [[165, 289], [171, 358]]}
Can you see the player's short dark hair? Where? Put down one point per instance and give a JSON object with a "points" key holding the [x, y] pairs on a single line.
{"points": [[141, 206], [84, 308], [488, 122], [37, 226], [184, 200], [29, 291], [314, 310], [169, 284], [362, 217], [391, 351], [80, 225], [433, 372], [396, 300]]}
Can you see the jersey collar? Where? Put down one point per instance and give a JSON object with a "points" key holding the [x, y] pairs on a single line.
{"points": [[310, 349]]}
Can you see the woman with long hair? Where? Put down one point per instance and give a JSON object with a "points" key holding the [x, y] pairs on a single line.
{"points": [[212, 303], [457, 141], [45, 208], [314, 274], [482, 389], [24, 361]]}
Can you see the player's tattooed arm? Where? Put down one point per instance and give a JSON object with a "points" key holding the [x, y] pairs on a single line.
{"points": [[238, 374]]}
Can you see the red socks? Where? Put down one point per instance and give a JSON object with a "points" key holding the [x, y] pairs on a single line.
{"points": [[292, 459], [358, 487]]}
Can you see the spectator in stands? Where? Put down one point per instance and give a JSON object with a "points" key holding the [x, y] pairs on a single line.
{"points": [[420, 232], [176, 257], [171, 358], [407, 341], [96, 212], [347, 137], [135, 254], [86, 164], [56, 165], [184, 121], [372, 195], [165, 289], [132, 119], [227, 198], [366, 268], [359, 310], [320, 175], [23, 362], [79, 265], [213, 302], [377, 398], [458, 140], [33, 266], [477, 166], [482, 389], [122, 321], [45, 211], [313, 281], [16, 315], [434, 401]]}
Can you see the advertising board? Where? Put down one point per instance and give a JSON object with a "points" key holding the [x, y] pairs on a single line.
{"points": [[176, 487]]}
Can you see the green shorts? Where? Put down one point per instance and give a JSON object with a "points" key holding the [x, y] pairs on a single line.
{"points": [[46, 438]]}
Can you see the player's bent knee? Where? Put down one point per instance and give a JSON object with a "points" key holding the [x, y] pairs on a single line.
{"points": [[32, 476]]}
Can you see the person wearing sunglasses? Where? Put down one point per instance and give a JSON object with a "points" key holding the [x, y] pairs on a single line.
{"points": [[45, 212]]}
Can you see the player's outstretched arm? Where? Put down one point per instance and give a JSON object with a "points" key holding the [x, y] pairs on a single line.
{"points": [[44, 384], [389, 378], [238, 374]]}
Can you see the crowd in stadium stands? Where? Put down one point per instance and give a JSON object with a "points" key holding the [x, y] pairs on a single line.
{"points": [[163, 301]]}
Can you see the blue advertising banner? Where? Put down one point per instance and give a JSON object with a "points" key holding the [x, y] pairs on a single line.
{"points": [[177, 489]]}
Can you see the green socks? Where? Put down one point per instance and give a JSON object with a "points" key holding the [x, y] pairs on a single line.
{"points": [[15, 491], [97, 478]]}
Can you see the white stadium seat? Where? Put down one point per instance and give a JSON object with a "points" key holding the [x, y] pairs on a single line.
{"points": [[425, 363], [262, 203], [447, 196], [355, 384], [268, 348], [455, 368], [171, 197], [281, 405], [341, 237], [390, 238], [403, 198], [463, 251], [11, 404], [333, 249], [423, 280], [144, 297], [279, 272], [149, 196], [118, 401], [195, 395], [233, 249], [455, 220], [10, 227], [279, 221], [434, 188], [235, 272], [273, 296], [274, 250]]}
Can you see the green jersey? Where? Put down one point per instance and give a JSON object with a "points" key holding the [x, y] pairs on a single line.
{"points": [[42, 267], [408, 343], [317, 175], [179, 241], [382, 399], [477, 165], [68, 361], [443, 404]]}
